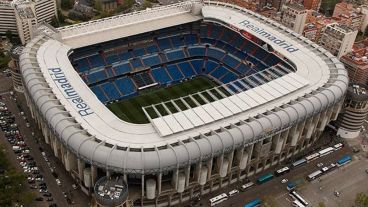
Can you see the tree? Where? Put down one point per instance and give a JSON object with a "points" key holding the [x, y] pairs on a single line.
{"points": [[146, 4], [9, 35], [54, 21], [361, 200], [66, 4]]}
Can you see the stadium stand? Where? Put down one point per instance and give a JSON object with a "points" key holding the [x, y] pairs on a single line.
{"points": [[170, 57]]}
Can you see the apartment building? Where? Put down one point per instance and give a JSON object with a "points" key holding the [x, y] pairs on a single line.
{"points": [[20, 16], [294, 16], [338, 39]]}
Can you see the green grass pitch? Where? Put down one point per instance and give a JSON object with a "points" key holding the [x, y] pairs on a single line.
{"points": [[130, 110]]}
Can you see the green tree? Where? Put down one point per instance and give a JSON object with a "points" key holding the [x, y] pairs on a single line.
{"points": [[66, 4], [127, 4], [9, 35], [146, 4], [361, 200], [98, 5]]}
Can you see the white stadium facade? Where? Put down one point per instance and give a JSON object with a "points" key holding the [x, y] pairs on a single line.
{"points": [[194, 151]]}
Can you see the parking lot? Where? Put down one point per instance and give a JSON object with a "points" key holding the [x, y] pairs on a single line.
{"points": [[275, 189], [26, 149]]}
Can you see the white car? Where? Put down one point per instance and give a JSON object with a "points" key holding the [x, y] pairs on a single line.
{"points": [[58, 182], [233, 192], [284, 180], [320, 164]]}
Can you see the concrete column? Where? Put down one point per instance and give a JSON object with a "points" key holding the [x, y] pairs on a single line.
{"points": [[210, 163], [174, 180], [81, 166], [187, 176], [55, 148], [143, 186], [93, 174], [230, 159], [159, 182]]}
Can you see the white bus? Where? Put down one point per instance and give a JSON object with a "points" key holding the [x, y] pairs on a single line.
{"points": [[312, 157], [218, 199], [247, 185], [338, 146], [326, 151], [314, 175], [297, 197], [297, 203], [282, 171]]}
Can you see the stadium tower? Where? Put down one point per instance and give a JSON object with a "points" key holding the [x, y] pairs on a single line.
{"points": [[111, 98]]}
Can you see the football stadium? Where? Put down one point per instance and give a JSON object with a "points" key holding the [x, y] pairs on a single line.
{"points": [[155, 107]]}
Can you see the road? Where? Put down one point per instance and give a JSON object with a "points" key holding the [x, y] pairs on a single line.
{"points": [[274, 188]]}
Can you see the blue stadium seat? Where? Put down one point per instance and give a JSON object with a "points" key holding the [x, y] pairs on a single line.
{"points": [[208, 41], [152, 49], [249, 47], [151, 60], [190, 39], [123, 68], [100, 95], [219, 72], [197, 65], [197, 51], [96, 61], [261, 54], [110, 72], [230, 76], [175, 55], [112, 59], [82, 65], [174, 72], [210, 66], [215, 53], [125, 55], [240, 54], [230, 61], [161, 76], [220, 44], [136, 63], [164, 43], [96, 76], [243, 68], [187, 69], [177, 41], [110, 91], [139, 52], [215, 32], [272, 60], [125, 85]]}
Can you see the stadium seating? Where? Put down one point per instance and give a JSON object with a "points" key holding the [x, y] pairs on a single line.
{"points": [[125, 85], [110, 91], [161, 76], [171, 56]]}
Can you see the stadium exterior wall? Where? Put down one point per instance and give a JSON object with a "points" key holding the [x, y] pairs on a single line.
{"points": [[259, 142]]}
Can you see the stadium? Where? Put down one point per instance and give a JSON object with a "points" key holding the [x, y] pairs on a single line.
{"points": [[159, 106]]}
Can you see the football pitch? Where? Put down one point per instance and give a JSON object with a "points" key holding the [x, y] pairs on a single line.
{"points": [[130, 110]]}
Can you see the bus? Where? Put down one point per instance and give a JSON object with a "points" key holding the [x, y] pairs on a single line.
{"points": [[299, 163], [282, 171], [255, 203], [326, 151], [314, 175], [297, 197], [247, 185], [264, 178], [312, 157], [338, 146], [291, 186], [218, 199], [297, 203], [344, 160]]}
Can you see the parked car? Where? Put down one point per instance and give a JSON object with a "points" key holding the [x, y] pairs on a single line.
{"points": [[233, 192], [320, 164], [39, 199], [284, 181]]}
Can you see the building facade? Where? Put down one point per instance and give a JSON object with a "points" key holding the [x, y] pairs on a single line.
{"points": [[294, 16], [20, 17], [312, 4], [338, 39], [355, 111], [170, 170], [356, 62]]}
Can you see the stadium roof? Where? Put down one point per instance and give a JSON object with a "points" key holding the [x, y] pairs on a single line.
{"points": [[95, 134]]}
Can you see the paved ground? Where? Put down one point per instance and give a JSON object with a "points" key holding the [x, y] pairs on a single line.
{"points": [[77, 196], [348, 181], [278, 191]]}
